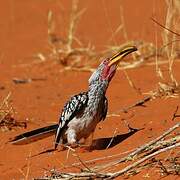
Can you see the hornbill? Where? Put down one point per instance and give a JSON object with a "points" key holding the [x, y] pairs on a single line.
{"points": [[83, 111]]}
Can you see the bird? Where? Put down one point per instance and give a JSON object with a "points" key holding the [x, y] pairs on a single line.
{"points": [[81, 114]]}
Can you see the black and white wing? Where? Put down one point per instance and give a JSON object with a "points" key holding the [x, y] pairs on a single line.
{"points": [[105, 109], [72, 108]]}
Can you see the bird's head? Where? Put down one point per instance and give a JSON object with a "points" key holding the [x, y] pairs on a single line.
{"points": [[107, 68]]}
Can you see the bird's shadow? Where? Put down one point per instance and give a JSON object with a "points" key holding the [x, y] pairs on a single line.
{"points": [[102, 143], [109, 142]]}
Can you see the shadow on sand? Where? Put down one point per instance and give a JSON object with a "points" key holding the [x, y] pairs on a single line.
{"points": [[109, 142], [102, 143]]}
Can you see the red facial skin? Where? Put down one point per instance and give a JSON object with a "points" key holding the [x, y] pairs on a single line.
{"points": [[108, 71]]}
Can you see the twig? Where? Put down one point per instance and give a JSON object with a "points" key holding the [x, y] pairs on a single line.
{"points": [[131, 83], [93, 175], [175, 115], [6, 99], [28, 165], [28, 80], [155, 146], [162, 144], [138, 103], [112, 139], [164, 169], [152, 148], [126, 169], [177, 34], [82, 175], [77, 156], [100, 159], [62, 49], [138, 150], [82, 162]]}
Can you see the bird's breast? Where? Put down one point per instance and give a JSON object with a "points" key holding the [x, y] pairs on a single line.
{"points": [[86, 124]]}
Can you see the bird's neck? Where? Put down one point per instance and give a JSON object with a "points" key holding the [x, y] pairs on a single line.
{"points": [[98, 89]]}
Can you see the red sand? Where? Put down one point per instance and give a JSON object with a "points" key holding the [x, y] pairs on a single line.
{"points": [[23, 33]]}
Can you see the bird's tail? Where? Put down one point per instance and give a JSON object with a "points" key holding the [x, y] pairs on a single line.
{"points": [[34, 135], [58, 136]]}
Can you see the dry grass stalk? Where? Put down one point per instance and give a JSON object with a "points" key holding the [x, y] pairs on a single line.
{"points": [[7, 121], [166, 90], [71, 53], [134, 165], [172, 166], [64, 50], [139, 150], [172, 22], [143, 57], [169, 166], [170, 37], [149, 150]]}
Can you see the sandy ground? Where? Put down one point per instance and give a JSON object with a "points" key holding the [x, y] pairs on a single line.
{"points": [[23, 33]]}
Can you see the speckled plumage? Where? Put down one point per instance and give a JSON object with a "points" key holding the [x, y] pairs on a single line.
{"points": [[82, 113]]}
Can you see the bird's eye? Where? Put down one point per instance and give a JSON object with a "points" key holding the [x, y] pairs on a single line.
{"points": [[106, 61]]}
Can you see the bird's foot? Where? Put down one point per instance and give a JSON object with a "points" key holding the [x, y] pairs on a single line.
{"points": [[77, 147], [84, 148]]}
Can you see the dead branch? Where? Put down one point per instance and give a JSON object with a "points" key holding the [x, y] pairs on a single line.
{"points": [[138, 150], [143, 160], [93, 175], [161, 144], [140, 102], [100, 159], [77, 176], [149, 150]]}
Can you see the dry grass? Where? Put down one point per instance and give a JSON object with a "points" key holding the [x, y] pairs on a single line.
{"points": [[172, 22], [171, 45], [141, 158], [165, 90], [68, 51], [74, 55], [7, 121]]}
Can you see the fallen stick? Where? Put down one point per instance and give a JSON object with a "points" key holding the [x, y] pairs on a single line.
{"points": [[138, 103], [93, 175], [158, 145], [138, 150], [161, 144], [125, 110], [126, 169]]}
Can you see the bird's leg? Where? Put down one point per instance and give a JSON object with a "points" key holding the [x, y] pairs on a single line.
{"points": [[62, 144], [71, 138], [89, 140], [87, 143]]}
